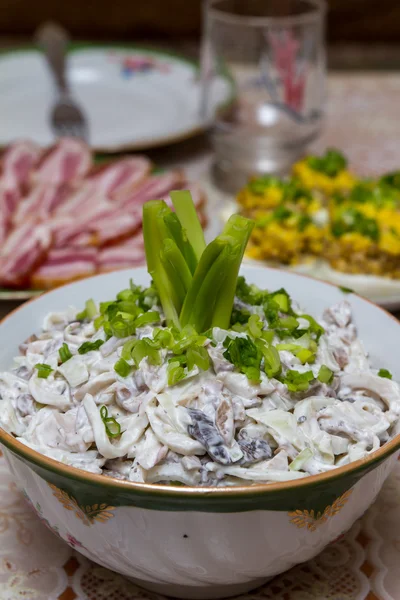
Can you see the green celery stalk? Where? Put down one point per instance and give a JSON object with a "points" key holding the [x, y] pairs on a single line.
{"points": [[154, 233], [210, 254], [202, 316], [176, 268], [181, 239], [187, 215], [240, 229]]}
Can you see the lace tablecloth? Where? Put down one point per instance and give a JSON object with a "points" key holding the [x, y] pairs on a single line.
{"points": [[363, 120]]}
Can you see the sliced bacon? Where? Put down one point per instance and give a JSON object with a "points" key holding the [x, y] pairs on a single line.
{"points": [[119, 178], [9, 198], [155, 186], [42, 201], [16, 167], [66, 162], [111, 226], [18, 161], [23, 250], [124, 255], [79, 221], [79, 200], [63, 265]]}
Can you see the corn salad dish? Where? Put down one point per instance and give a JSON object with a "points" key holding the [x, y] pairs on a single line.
{"points": [[323, 211]]}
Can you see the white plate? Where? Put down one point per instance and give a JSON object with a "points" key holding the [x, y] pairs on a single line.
{"points": [[134, 98]]}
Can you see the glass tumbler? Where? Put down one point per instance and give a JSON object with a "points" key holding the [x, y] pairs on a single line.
{"points": [[273, 52]]}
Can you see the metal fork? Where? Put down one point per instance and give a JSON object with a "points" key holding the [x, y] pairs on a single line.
{"points": [[67, 118]]}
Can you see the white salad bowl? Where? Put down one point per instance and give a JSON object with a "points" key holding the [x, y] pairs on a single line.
{"points": [[201, 542]]}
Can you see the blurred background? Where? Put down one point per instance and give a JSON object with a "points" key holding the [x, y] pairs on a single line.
{"points": [[360, 33]]}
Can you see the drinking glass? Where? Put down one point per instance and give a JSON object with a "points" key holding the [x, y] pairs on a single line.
{"points": [[274, 52]]}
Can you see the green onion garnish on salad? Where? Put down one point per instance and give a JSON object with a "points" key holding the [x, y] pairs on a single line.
{"points": [[64, 353], [43, 370], [298, 382], [112, 427], [325, 375], [122, 367], [385, 373], [89, 346]]}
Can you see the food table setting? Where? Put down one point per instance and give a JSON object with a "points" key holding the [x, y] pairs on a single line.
{"points": [[327, 206]]}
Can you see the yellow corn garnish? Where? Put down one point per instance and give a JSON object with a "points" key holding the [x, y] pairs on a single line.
{"points": [[325, 211]]}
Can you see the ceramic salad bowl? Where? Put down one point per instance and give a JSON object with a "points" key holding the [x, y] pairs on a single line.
{"points": [[201, 542]]}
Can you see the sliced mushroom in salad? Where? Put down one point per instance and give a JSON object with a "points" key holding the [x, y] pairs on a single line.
{"points": [[234, 386]]}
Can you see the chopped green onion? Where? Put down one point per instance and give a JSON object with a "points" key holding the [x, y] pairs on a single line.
{"points": [[298, 382], [175, 372], [305, 356], [81, 316], [65, 353], [385, 373], [315, 327], [91, 309], [146, 348], [289, 347], [282, 301], [122, 368], [89, 346], [120, 327], [125, 295], [112, 427], [152, 316], [272, 361], [128, 307], [197, 355], [164, 338], [268, 336], [127, 348], [289, 323], [255, 326], [245, 355], [98, 322], [104, 307], [325, 375], [43, 370], [346, 290]]}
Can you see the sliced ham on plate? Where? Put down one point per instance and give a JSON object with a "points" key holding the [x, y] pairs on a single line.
{"points": [[120, 178], [123, 255], [68, 161], [63, 265], [24, 249]]}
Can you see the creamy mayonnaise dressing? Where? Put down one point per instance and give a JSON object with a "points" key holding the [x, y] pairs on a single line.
{"points": [[213, 428]]}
